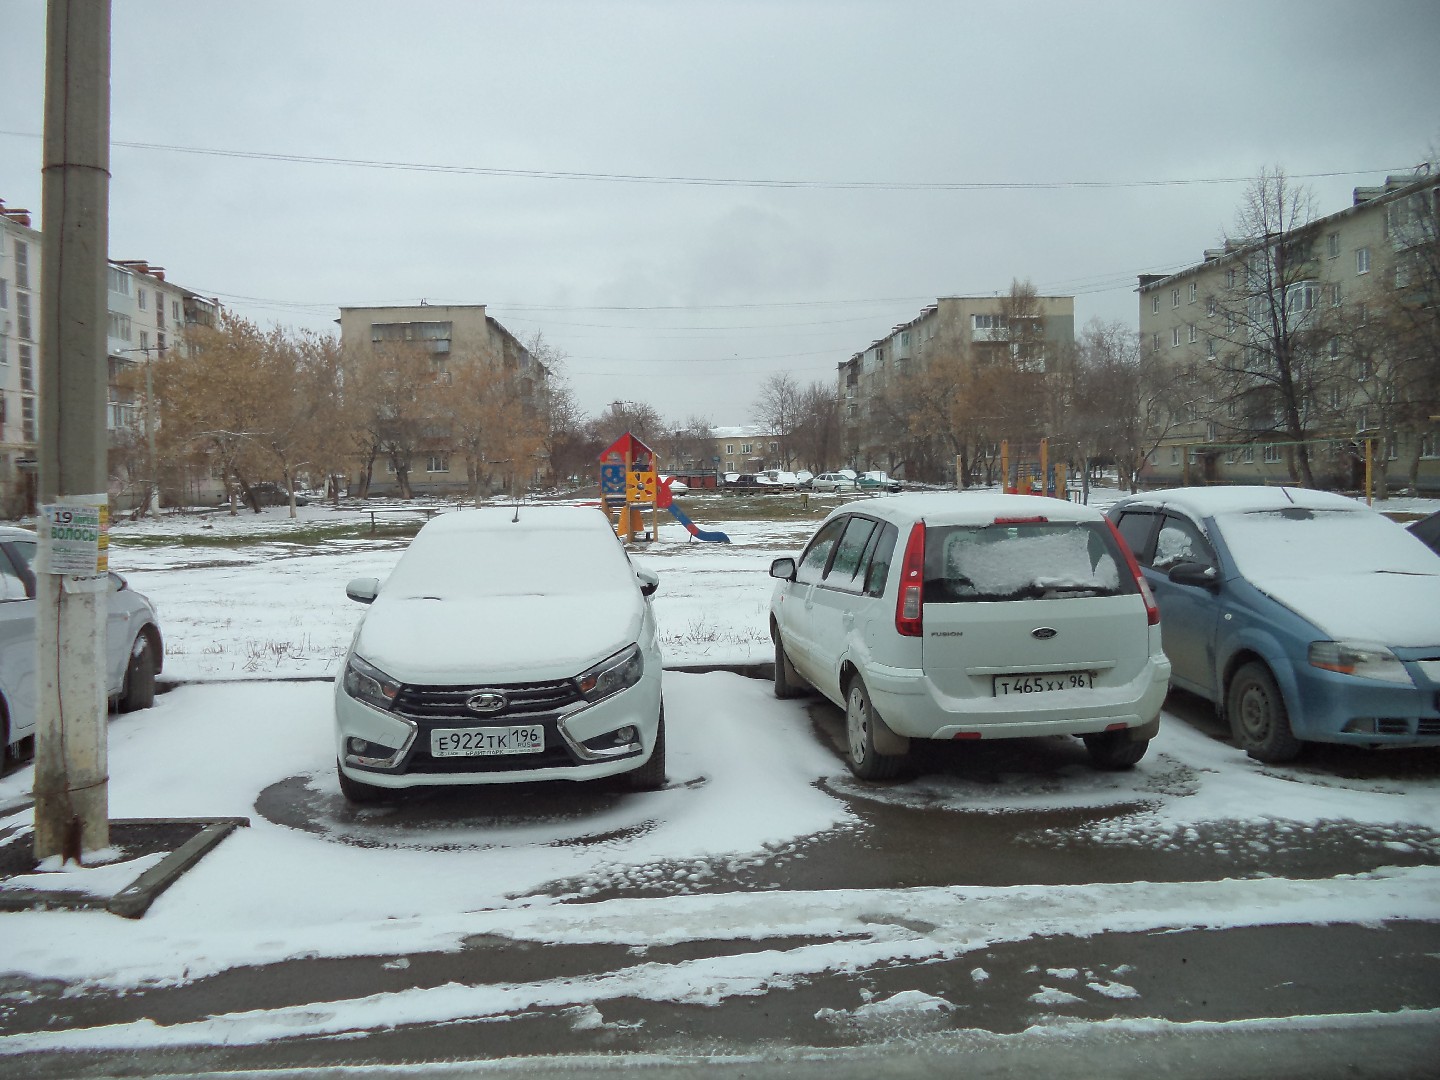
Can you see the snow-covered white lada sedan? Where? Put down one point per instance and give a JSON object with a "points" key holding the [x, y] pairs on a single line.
{"points": [[507, 645], [971, 616]]}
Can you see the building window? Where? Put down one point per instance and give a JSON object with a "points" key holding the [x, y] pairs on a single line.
{"points": [[22, 265], [1302, 296], [1336, 294], [27, 419], [1272, 454], [175, 311], [390, 466], [1174, 337], [1230, 279], [144, 341], [729, 466], [437, 463], [989, 322], [118, 326], [1334, 348], [1174, 298], [1362, 260], [1155, 342], [1155, 304], [119, 281], [1362, 313], [1210, 307], [774, 447], [1332, 245], [1174, 455], [1336, 396], [1193, 337], [4, 294], [745, 448], [27, 368], [1430, 445], [1209, 346], [140, 299], [22, 315], [729, 448], [1248, 455], [1194, 292]]}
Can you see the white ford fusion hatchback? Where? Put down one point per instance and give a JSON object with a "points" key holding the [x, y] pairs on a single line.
{"points": [[956, 616], [507, 645]]}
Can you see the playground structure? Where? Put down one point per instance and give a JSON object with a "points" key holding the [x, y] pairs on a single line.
{"points": [[1033, 476], [631, 486]]}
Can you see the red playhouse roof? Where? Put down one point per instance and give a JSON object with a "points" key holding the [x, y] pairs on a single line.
{"points": [[626, 446]]}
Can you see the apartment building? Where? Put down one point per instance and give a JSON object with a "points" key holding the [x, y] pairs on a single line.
{"points": [[1341, 273], [979, 328], [19, 361], [745, 448], [450, 334]]}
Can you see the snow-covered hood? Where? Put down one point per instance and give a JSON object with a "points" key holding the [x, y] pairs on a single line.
{"points": [[499, 639], [1393, 609]]}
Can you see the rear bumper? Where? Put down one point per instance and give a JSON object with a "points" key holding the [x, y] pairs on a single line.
{"points": [[911, 705]]}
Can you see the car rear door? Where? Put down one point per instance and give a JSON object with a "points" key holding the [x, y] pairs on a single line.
{"points": [[1036, 607]]}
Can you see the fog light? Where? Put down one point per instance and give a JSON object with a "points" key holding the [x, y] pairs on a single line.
{"points": [[1361, 725], [357, 746], [626, 735]]}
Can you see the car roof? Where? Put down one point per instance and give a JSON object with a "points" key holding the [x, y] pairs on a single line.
{"points": [[967, 508], [1209, 501], [527, 517], [14, 532]]}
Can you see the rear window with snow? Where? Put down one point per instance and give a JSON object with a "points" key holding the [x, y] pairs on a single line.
{"points": [[1029, 561], [519, 562]]}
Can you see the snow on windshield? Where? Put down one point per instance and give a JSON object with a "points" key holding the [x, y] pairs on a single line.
{"points": [[1001, 561], [506, 562], [1298, 542]]}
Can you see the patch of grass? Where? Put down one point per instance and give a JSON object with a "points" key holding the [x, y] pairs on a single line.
{"points": [[705, 509], [311, 535]]}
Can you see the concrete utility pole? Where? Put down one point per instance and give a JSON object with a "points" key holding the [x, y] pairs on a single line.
{"points": [[71, 768]]}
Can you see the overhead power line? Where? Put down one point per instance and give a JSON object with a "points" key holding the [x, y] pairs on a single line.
{"points": [[501, 172]]}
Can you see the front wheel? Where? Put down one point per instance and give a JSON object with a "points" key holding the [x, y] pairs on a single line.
{"points": [[139, 691], [1258, 719], [1113, 750], [788, 683], [651, 775], [357, 792], [860, 720]]}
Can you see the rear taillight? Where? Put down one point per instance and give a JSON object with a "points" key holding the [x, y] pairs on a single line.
{"points": [[1152, 613], [910, 603]]}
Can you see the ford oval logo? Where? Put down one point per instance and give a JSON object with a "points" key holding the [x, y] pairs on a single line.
{"points": [[1044, 633], [486, 701]]}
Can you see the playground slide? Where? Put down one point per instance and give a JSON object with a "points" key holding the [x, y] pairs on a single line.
{"points": [[709, 535]]}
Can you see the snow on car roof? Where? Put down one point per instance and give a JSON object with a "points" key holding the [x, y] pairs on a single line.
{"points": [[497, 551], [969, 508], [1209, 501]]}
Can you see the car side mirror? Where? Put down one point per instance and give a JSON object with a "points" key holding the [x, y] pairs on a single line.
{"points": [[363, 590], [784, 569], [1199, 574], [649, 581]]}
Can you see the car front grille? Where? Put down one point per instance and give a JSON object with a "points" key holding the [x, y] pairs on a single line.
{"points": [[435, 703], [1427, 727]]}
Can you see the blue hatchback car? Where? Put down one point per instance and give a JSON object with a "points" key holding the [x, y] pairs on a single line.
{"points": [[1303, 615]]}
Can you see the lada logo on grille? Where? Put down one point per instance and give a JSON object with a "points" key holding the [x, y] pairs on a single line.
{"points": [[486, 701], [1044, 633]]}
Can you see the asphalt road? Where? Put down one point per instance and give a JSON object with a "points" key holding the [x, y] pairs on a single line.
{"points": [[1321, 1000]]}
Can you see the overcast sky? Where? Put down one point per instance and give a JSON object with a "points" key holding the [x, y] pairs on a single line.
{"points": [[687, 295]]}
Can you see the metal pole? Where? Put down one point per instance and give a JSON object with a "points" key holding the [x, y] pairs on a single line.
{"points": [[71, 767]]}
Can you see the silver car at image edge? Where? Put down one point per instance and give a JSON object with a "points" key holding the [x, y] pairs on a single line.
{"points": [[509, 644], [971, 616], [134, 649]]}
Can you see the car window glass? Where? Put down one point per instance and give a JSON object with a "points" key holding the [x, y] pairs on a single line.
{"points": [[1180, 541], [879, 569], [1022, 562], [812, 563], [12, 585], [847, 561], [1135, 528], [26, 550]]}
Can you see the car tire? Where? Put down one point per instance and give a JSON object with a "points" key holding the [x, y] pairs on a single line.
{"points": [[1113, 751], [1258, 719], [651, 775], [860, 754], [139, 689], [357, 792], [788, 683]]}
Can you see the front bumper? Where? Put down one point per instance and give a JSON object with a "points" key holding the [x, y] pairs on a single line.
{"points": [[410, 764], [1340, 708]]}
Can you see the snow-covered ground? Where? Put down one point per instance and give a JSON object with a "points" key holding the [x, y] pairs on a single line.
{"points": [[372, 883]]}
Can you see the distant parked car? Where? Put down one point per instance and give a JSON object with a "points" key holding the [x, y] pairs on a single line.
{"points": [[971, 617], [134, 651], [1428, 530], [877, 480], [778, 477], [1303, 615], [268, 494], [507, 645], [677, 487], [803, 477], [833, 481]]}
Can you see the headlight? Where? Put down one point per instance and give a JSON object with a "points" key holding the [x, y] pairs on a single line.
{"points": [[367, 683], [610, 676], [1363, 659]]}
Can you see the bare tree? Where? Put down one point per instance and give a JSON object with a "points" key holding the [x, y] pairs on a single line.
{"points": [[1269, 368], [776, 410], [815, 434]]}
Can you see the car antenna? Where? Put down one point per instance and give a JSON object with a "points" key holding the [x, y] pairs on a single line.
{"points": [[1286, 491]]}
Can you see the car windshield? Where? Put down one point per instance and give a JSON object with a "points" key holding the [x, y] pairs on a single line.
{"points": [[1298, 542], [511, 562], [1021, 561]]}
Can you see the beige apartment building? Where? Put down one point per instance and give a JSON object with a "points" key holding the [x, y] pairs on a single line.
{"points": [[973, 326], [1344, 270], [447, 332], [146, 315]]}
